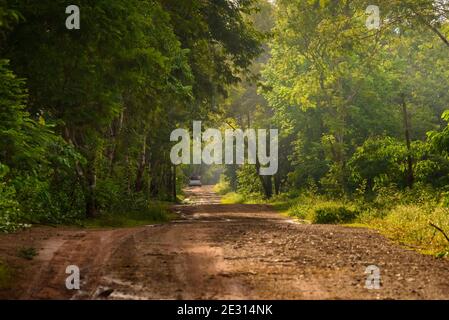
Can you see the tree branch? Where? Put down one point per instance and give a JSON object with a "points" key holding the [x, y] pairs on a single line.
{"points": [[439, 229], [439, 34]]}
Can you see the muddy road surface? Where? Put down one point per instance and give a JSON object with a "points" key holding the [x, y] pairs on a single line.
{"points": [[216, 251]]}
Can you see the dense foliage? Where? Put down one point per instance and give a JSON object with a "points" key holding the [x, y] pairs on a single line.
{"points": [[86, 115], [362, 115], [359, 110]]}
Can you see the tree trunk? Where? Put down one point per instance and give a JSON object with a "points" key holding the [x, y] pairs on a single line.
{"points": [[140, 170], [277, 184], [128, 175], [87, 177], [154, 167], [115, 130], [168, 181], [410, 177], [267, 184], [174, 183], [91, 206]]}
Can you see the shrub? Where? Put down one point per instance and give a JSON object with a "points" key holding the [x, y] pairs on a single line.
{"points": [[333, 213], [317, 209], [37, 167], [27, 253], [232, 198], [410, 224], [223, 186], [248, 181], [5, 276], [9, 207], [131, 214], [378, 160]]}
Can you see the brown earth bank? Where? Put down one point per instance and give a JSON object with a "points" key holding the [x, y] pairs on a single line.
{"points": [[216, 251]]}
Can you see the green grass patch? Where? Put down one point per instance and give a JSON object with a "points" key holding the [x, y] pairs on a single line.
{"points": [[320, 210], [279, 202], [407, 224], [333, 213], [6, 276], [222, 187], [411, 225], [232, 198], [27, 253], [403, 219], [281, 206], [155, 212]]}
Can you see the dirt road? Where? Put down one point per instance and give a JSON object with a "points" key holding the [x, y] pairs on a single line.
{"points": [[216, 251]]}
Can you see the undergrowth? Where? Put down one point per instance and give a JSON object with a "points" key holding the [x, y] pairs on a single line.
{"points": [[415, 218]]}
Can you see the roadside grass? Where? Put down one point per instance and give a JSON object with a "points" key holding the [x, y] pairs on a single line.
{"points": [[406, 222], [411, 226], [126, 215], [27, 253], [233, 198], [281, 206], [153, 213], [222, 187], [313, 209], [320, 210], [280, 203], [6, 276], [180, 197]]}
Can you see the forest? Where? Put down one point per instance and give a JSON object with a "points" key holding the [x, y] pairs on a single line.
{"points": [[86, 114], [362, 110]]}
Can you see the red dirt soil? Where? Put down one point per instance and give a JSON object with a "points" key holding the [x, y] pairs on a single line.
{"points": [[216, 251]]}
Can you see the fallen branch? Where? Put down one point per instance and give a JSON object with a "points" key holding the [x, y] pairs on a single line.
{"points": [[439, 229]]}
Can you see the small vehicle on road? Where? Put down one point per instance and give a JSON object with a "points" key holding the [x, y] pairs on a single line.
{"points": [[195, 181]]}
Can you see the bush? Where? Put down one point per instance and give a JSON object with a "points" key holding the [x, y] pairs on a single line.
{"points": [[333, 213], [45, 203], [378, 160], [318, 209], [10, 213], [5, 276], [410, 224], [232, 198], [37, 167], [248, 181], [223, 186], [132, 214]]}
